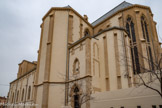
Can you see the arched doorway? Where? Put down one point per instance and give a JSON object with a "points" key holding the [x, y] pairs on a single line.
{"points": [[76, 97]]}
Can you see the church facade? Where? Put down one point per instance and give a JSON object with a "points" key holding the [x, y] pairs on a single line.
{"points": [[90, 65]]}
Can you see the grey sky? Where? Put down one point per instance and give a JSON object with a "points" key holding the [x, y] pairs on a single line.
{"points": [[20, 28]]}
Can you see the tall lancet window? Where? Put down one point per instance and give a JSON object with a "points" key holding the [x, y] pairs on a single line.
{"points": [[76, 98], [133, 45], [146, 37]]}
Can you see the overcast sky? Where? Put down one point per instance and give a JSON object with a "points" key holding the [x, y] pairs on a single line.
{"points": [[20, 28]]}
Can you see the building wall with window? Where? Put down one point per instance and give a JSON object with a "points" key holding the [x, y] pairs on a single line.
{"points": [[22, 89], [78, 60]]}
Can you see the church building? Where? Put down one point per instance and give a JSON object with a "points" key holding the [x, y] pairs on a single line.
{"points": [[91, 65]]}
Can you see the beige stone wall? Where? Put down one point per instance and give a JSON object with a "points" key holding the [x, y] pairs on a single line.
{"points": [[127, 98], [107, 24], [77, 52], [24, 67], [114, 71], [43, 50], [59, 47], [17, 87], [78, 27], [57, 96]]}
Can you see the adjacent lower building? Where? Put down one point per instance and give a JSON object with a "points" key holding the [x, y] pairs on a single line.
{"points": [[91, 65]]}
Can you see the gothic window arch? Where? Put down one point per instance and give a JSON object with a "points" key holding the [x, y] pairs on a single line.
{"points": [[17, 96], [133, 45], [76, 97], [76, 66], [96, 51], [144, 26], [86, 32], [29, 92], [22, 96], [13, 98]]}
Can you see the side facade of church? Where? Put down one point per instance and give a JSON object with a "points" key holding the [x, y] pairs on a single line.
{"points": [[84, 65]]}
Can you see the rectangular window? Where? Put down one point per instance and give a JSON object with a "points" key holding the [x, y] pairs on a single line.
{"points": [[153, 106], [119, 82], [107, 84], [122, 107], [160, 106]]}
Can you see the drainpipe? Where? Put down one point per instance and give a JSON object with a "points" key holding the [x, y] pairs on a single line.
{"points": [[67, 65]]}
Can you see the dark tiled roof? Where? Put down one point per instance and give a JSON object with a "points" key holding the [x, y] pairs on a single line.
{"points": [[68, 6], [111, 12]]}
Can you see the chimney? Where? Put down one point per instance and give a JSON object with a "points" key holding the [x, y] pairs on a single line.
{"points": [[85, 17]]}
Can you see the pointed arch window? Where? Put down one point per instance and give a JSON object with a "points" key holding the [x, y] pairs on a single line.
{"points": [[76, 98], [76, 66], [144, 28], [146, 36], [17, 96], [133, 45], [86, 32], [22, 96], [13, 98], [29, 90]]}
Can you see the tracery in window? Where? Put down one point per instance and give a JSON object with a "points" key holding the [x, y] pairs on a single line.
{"points": [[133, 45], [146, 36], [144, 28], [76, 66]]}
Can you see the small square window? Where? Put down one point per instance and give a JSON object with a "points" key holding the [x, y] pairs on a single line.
{"points": [[153, 106]]}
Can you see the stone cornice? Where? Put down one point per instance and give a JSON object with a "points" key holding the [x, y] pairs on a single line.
{"points": [[66, 9], [103, 31], [79, 41], [32, 70], [63, 82]]}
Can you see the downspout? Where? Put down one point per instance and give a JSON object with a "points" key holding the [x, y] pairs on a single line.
{"points": [[26, 91], [67, 65]]}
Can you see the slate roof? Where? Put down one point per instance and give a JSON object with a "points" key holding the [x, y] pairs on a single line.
{"points": [[111, 12], [68, 6]]}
